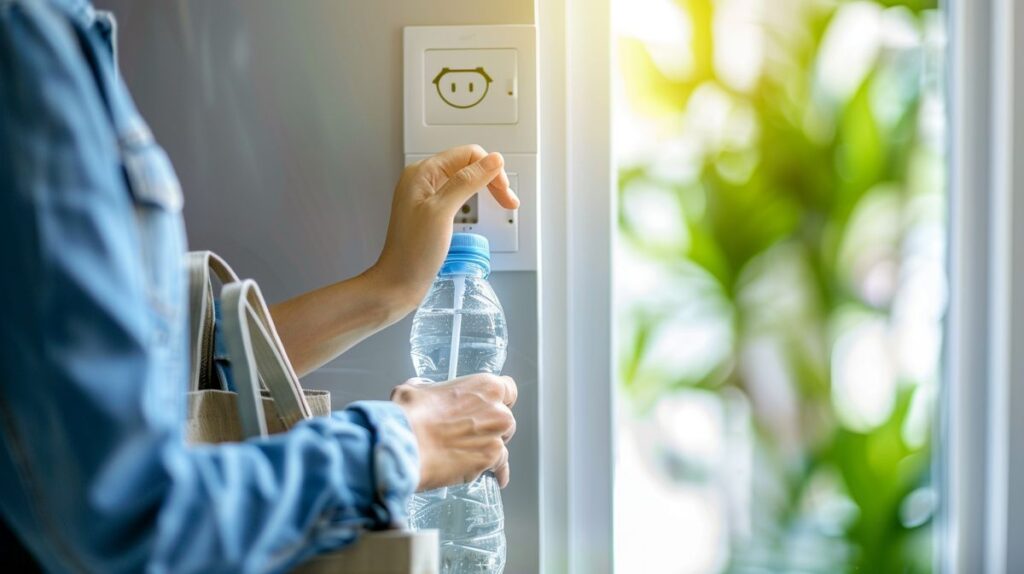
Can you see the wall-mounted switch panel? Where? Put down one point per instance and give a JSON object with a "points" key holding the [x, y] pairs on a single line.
{"points": [[478, 84]]}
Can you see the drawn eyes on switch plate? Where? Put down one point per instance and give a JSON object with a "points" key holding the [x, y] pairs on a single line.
{"points": [[470, 87], [462, 89]]}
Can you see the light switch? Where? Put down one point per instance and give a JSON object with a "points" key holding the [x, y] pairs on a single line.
{"points": [[467, 87]]}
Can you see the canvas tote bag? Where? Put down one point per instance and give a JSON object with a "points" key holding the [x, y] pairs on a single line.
{"points": [[270, 399], [257, 356]]}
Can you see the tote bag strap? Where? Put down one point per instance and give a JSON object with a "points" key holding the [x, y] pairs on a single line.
{"points": [[203, 267], [257, 355]]}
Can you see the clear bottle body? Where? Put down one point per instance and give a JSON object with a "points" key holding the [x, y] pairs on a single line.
{"points": [[469, 517], [483, 335]]}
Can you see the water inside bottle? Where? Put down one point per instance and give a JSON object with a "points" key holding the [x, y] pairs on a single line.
{"points": [[482, 338], [471, 521], [460, 330]]}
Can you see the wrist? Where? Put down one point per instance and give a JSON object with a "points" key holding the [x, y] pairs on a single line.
{"points": [[426, 476], [392, 295], [395, 457]]}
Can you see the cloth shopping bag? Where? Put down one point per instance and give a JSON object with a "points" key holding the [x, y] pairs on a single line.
{"points": [[267, 399]]}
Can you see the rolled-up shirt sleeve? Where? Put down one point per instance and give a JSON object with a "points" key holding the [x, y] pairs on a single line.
{"points": [[261, 505], [94, 472]]}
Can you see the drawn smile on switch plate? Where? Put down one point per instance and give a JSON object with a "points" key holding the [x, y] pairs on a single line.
{"points": [[462, 88]]}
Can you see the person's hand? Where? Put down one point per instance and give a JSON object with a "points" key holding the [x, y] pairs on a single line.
{"points": [[427, 197], [461, 427]]}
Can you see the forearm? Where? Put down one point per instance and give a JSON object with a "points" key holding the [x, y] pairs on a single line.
{"points": [[320, 325], [317, 326]]}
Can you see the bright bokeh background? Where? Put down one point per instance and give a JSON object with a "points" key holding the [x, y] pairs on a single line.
{"points": [[780, 283]]}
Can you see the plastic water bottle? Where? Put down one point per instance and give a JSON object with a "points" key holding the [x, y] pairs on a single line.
{"points": [[459, 330]]}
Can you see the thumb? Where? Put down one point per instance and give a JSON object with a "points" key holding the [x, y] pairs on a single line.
{"points": [[469, 180]]}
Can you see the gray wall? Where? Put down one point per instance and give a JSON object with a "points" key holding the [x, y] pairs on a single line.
{"points": [[284, 121]]}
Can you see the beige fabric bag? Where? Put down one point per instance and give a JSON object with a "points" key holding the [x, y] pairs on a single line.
{"points": [[257, 354], [270, 400]]}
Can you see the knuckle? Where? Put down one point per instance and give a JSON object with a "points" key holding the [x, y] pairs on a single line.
{"points": [[513, 390], [481, 404], [457, 393], [467, 427], [481, 463], [478, 150], [496, 447], [492, 384], [464, 176], [402, 393], [501, 458], [508, 420], [412, 168], [483, 378]]}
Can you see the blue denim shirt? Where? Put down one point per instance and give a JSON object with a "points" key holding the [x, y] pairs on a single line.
{"points": [[94, 471]]}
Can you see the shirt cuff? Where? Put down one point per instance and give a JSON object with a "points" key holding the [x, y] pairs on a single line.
{"points": [[396, 459]]}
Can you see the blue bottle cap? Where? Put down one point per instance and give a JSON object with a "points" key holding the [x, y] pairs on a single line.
{"points": [[469, 254]]}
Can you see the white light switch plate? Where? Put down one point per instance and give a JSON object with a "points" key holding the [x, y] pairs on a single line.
{"points": [[498, 121], [445, 70]]}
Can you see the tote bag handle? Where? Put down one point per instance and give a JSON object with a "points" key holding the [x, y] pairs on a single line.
{"points": [[258, 355], [203, 267]]}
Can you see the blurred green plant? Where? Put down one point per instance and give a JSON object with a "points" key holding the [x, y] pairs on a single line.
{"points": [[792, 208]]}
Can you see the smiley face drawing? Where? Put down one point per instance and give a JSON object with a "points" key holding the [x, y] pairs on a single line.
{"points": [[462, 88]]}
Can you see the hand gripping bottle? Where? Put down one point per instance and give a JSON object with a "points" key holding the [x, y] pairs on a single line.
{"points": [[459, 330]]}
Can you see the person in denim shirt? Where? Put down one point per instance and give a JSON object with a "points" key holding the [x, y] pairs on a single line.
{"points": [[95, 475]]}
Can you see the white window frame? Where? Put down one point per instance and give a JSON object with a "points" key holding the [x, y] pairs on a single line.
{"points": [[576, 327], [981, 435]]}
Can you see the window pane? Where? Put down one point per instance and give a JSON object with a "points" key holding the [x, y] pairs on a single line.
{"points": [[780, 283]]}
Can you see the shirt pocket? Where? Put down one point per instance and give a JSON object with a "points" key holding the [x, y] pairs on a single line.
{"points": [[158, 201]]}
